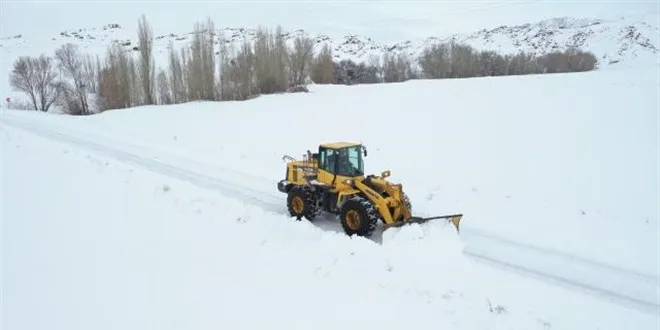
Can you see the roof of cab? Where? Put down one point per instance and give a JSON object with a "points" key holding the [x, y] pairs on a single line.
{"points": [[339, 145]]}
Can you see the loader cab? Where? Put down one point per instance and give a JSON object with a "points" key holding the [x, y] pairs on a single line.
{"points": [[338, 161]]}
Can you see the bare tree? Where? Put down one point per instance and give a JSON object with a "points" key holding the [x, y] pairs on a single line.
{"points": [[300, 60], [323, 69], [177, 79], [270, 61], [397, 68], [280, 60], [146, 64], [223, 62], [36, 78], [581, 61], [374, 69], [491, 64], [208, 56], [435, 61], [239, 74], [71, 64], [348, 72], [570, 60], [187, 74], [110, 94], [118, 85], [131, 81], [264, 59], [453, 60], [163, 87], [523, 63], [201, 64]]}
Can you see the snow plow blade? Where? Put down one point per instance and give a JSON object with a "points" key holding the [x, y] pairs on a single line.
{"points": [[455, 219]]}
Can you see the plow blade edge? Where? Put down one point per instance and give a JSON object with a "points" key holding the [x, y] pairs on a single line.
{"points": [[455, 219]]}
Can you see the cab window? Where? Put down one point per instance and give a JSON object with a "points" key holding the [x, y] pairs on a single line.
{"points": [[349, 162], [327, 160]]}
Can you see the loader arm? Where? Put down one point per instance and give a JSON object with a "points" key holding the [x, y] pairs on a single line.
{"points": [[401, 214], [382, 203], [395, 197]]}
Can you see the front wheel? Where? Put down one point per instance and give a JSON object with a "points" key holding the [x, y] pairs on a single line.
{"points": [[358, 217]]}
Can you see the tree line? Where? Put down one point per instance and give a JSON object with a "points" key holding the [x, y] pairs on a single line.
{"points": [[201, 71]]}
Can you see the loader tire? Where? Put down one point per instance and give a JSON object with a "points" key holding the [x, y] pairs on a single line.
{"points": [[302, 202], [358, 217]]}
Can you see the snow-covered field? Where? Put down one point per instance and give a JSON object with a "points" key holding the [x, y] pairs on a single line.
{"points": [[169, 217]]}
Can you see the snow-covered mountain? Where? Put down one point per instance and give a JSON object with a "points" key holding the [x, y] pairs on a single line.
{"points": [[612, 41]]}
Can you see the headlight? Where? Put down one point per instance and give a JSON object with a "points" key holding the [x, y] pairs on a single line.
{"points": [[348, 182]]}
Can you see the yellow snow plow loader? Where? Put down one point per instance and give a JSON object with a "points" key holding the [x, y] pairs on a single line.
{"points": [[333, 181]]}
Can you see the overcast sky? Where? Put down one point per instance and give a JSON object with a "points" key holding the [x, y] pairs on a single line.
{"points": [[381, 20]]}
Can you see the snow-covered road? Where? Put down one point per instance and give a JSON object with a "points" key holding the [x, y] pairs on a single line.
{"points": [[609, 282]]}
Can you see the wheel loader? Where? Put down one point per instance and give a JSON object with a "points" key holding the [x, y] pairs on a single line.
{"points": [[333, 180]]}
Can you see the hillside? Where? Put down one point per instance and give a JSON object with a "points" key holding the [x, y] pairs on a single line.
{"points": [[133, 218], [614, 44], [613, 41]]}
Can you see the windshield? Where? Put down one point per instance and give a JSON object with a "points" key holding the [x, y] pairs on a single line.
{"points": [[350, 162]]}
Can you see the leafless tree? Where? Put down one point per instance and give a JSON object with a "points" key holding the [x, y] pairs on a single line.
{"points": [[201, 64], [222, 64], [36, 77], [90, 74], [570, 60], [280, 60], [209, 61], [453, 60], [75, 88], [323, 69], [118, 80], [270, 61], [397, 68], [176, 76], [524, 63], [581, 61], [300, 60], [163, 87], [146, 64], [435, 61], [239, 74]]}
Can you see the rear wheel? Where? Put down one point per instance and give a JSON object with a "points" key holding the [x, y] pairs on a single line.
{"points": [[358, 216], [302, 202]]}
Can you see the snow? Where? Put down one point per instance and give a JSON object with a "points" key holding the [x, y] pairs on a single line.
{"points": [[388, 21], [106, 245], [169, 216], [553, 166]]}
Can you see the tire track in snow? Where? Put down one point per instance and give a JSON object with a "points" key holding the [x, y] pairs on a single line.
{"points": [[568, 257], [593, 290], [618, 285], [255, 197], [627, 288]]}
